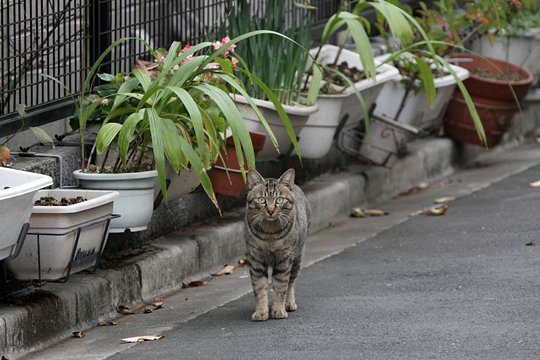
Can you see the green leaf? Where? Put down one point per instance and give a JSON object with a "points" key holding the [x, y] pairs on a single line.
{"points": [[193, 110], [315, 84], [21, 109], [428, 82], [158, 147], [106, 135], [125, 135], [144, 78], [42, 136], [362, 43], [106, 77]]}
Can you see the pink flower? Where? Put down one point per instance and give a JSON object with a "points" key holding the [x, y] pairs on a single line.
{"points": [[212, 66], [227, 39], [160, 57], [217, 45], [190, 56]]}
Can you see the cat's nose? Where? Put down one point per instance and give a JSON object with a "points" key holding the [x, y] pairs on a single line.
{"points": [[270, 211]]}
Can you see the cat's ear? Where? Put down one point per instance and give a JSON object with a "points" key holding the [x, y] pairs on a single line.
{"points": [[287, 178], [254, 179]]}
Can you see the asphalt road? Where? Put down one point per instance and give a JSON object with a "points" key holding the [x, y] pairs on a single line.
{"points": [[465, 285]]}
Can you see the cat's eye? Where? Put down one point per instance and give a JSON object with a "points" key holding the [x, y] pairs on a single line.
{"points": [[261, 200], [280, 200]]}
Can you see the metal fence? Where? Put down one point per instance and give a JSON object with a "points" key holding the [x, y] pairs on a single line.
{"points": [[63, 38]]}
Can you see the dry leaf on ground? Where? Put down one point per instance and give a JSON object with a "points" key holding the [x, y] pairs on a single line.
{"points": [[243, 262], [124, 310], [79, 334], [197, 283], [360, 213], [444, 199], [226, 270], [530, 243], [148, 310], [136, 339], [437, 210], [535, 184]]}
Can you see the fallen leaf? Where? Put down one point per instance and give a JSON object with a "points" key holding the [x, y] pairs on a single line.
{"points": [[157, 304], [375, 212], [107, 323], [530, 243], [159, 299], [124, 310], [197, 283], [79, 334], [243, 262], [423, 185], [437, 210], [226, 270], [444, 200], [535, 184], [358, 212], [148, 310], [136, 339]]}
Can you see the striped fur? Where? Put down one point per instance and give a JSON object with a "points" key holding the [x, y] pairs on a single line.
{"points": [[276, 227]]}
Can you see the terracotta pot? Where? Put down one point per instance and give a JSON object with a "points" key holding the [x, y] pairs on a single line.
{"points": [[220, 181], [496, 89], [493, 99], [496, 116]]}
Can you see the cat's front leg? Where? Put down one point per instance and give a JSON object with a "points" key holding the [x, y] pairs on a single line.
{"points": [[280, 282], [259, 281]]}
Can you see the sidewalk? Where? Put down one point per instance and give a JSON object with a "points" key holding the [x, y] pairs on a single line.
{"points": [[55, 310]]}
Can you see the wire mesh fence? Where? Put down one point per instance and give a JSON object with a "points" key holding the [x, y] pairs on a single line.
{"points": [[63, 38]]}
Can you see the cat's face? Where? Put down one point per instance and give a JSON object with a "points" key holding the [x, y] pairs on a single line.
{"points": [[270, 199]]}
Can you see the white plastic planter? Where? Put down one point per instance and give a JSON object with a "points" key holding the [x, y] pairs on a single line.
{"points": [[178, 184], [17, 190], [71, 238], [523, 51], [417, 112], [298, 115], [135, 204], [317, 135]]}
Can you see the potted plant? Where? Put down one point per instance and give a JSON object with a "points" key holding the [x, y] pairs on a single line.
{"points": [[68, 232], [274, 63], [175, 110], [17, 190], [496, 87], [509, 31]]}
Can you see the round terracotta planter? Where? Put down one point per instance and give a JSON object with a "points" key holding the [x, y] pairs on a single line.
{"points": [[493, 100], [233, 184]]}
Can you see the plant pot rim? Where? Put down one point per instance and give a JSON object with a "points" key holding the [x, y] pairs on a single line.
{"points": [[296, 109], [36, 182], [78, 174], [439, 82], [103, 197], [388, 72], [528, 77]]}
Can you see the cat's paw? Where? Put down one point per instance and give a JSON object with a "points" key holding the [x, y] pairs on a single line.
{"points": [[279, 313], [260, 316], [291, 306]]}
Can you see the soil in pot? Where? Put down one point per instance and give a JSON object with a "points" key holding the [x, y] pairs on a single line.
{"points": [[51, 201]]}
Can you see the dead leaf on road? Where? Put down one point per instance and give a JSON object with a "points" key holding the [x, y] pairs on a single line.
{"points": [[535, 184], [124, 310], [107, 323], [444, 200], [437, 210], [137, 339], [79, 334], [197, 283], [226, 270], [530, 243], [416, 213], [148, 310], [158, 304], [243, 262], [360, 213]]}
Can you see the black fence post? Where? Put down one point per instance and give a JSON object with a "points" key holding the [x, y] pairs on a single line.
{"points": [[100, 33]]}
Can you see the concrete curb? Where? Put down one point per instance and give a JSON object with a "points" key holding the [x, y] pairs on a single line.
{"points": [[55, 310]]}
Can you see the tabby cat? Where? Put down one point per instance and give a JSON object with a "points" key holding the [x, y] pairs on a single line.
{"points": [[276, 227]]}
